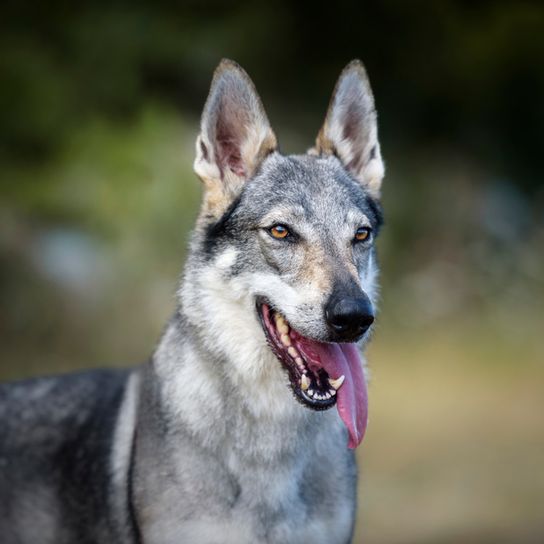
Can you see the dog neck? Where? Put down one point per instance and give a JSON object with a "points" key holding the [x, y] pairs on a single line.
{"points": [[220, 405]]}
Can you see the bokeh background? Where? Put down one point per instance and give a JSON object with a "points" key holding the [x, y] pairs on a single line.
{"points": [[99, 105]]}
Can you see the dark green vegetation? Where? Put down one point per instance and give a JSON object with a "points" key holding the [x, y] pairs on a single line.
{"points": [[99, 104]]}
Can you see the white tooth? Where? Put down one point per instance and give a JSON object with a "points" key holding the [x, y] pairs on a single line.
{"points": [[332, 392], [310, 392], [327, 396], [338, 382], [304, 382], [285, 340], [293, 352], [300, 364]]}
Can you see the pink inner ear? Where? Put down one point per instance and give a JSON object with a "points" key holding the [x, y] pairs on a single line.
{"points": [[353, 122], [228, 156], [228, 142]]}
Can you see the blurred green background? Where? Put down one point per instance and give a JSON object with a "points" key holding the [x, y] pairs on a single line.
{"points": [[99, 105]]}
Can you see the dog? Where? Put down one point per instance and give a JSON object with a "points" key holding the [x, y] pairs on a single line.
{"points": [[242, 426]]}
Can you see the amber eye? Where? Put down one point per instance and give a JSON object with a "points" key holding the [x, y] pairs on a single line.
{"points": [[279, 231], [362, 234]]}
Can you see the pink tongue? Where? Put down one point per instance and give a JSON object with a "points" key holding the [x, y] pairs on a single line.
{"points": [[338, 360]]}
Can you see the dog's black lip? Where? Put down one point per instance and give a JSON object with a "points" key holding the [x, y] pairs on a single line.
{"points": [[292, 371]]}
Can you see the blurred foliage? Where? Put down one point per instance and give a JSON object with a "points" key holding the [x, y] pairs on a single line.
{"points": [[463, 74], [99, 105]]}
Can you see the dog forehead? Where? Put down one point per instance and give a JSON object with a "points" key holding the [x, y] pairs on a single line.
{"points": [[304, 183]]}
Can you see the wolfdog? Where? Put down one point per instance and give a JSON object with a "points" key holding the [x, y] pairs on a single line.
{"points": [[228, 434]]}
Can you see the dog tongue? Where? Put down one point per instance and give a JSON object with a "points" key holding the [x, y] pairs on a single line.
{"points": [[352, 400]]}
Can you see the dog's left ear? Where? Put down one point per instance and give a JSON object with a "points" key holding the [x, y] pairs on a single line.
{"points": [[350, 130], [235, 135]]}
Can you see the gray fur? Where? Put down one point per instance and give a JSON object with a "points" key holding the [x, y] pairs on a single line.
{"points": [[205, 443]]}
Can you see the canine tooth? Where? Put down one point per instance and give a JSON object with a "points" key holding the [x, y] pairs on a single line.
{"points": [[304, 382], [281, 325], [283, 328], [285, 340], [311, 392], [293, 352], [332, 392], [335, 384]]}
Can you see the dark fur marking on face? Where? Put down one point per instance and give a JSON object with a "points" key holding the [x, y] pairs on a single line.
{"points": [[219, 229], [366, 203], [377, 212]]}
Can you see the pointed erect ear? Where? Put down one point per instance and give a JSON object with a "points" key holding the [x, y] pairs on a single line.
{"points": [[350, 131], [235, 135]]}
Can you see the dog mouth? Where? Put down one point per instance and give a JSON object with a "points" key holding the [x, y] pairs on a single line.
{"points": [[321, 374]]}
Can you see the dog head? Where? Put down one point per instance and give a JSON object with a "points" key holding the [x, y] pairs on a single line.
{"points": [[284, 245]]}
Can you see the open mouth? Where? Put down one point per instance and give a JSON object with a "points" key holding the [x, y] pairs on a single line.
{"points": [[321, 374]]}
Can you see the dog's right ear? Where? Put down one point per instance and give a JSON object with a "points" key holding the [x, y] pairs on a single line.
{"points": [[235, 136]]}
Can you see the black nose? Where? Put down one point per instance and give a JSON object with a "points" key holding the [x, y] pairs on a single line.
{"points": [[349, 317]]}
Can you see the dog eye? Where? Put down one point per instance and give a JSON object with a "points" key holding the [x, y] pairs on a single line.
{"points": [[279, 231], [362, 234]]}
